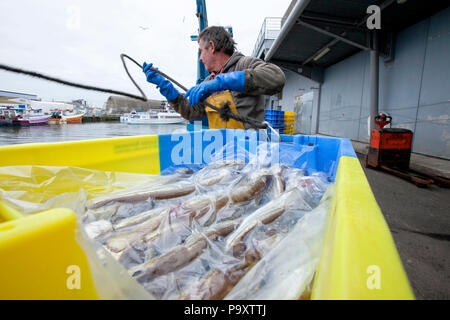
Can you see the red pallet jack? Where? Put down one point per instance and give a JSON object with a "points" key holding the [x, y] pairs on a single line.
{"points": [[390, 150]]}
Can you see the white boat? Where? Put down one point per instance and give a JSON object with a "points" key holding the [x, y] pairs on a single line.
{"points": [[22, 116], [7, 115], [125, 117], [164, 116]]}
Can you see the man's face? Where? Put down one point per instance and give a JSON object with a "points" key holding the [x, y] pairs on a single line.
{"points": [[207, 55]]}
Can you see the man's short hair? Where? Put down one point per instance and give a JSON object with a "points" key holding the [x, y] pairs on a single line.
{"points": [[220, 37]]}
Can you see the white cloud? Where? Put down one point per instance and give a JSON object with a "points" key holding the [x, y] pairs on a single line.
{"points": [[81, 41]]}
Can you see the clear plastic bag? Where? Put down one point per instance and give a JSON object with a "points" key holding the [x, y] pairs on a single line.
{"points": [[31, 189], [244, 226], [288, 268]]}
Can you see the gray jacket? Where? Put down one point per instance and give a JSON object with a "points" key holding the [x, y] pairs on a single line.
{"points": [[261, 78]]}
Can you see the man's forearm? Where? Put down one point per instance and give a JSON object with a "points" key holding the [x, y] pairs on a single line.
{"points": [[188, 112]]}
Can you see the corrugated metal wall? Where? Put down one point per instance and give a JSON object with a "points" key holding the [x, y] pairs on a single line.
{"points": [[341, 97], [414, 89]]}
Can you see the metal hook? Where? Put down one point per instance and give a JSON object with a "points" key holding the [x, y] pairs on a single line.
{"points": [[273, 130], [265, 131]]}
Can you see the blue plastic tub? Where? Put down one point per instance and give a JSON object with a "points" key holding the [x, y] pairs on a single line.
{"points": [[358, 261]]}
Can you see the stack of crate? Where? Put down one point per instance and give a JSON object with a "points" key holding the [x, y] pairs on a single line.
{"points": [[276, 119], [289, 122]]}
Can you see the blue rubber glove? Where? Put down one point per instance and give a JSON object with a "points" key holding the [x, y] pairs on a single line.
{"points": [[165, 86], [233, 81]]}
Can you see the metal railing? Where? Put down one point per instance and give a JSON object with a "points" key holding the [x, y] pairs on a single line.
{"points": [[269, 31]]}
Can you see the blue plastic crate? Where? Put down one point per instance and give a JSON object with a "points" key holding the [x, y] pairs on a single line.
{"points": [[274, 123], [277, 126], [274, 120]]}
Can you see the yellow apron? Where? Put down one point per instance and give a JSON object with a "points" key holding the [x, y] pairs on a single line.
{"points": [[215, 121]]}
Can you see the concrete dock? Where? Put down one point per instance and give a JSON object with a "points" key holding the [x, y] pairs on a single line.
{"points": [[102, 118]]}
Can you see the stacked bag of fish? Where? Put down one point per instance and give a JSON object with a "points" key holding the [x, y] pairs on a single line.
{"points": [[289, 118], [229, 230], [276, 119]]}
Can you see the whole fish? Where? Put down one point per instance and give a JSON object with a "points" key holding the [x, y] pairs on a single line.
{"points": [[179, 174], [176, 176], [278, 181], [156, 192], [218, 173], [169, 234], [214, 177], [135, 254], [170, 228], [218, 283], [195, 207], [266, 214], [139, 218], [116, 243], [105, 213], [98, 228], [245, 191], [199, 206], [263, 246], [276, 186], [159, 191], [183, 254], [120, 242]]}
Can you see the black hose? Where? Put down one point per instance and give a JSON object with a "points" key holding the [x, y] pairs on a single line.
{"points": [[225, 112], [122, 56], [72, 84]]}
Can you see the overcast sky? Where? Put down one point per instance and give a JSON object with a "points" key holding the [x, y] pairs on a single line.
{"points": [[81, 41]]}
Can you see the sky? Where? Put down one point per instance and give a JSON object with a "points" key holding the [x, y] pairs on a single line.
{"points": [[81, 41]]}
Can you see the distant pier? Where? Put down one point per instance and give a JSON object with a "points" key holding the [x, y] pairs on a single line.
{"points": [[102, 118]]}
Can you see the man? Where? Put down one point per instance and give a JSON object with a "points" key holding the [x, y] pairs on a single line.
{"points": [[234, 78]]}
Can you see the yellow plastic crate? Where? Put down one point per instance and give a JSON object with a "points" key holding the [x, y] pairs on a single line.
{"points": [[359, 259]]}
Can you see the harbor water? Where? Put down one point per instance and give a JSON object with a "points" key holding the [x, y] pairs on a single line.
{"points": [[82, 131]]}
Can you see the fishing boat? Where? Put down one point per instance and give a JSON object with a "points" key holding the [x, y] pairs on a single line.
{"points": [[32, 117], [163, 116], [5, 116], [10, 114], [22, 116], [65, 116]]}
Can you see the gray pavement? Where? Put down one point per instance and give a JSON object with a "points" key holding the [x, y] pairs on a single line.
{"points": [[419, 220]]}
